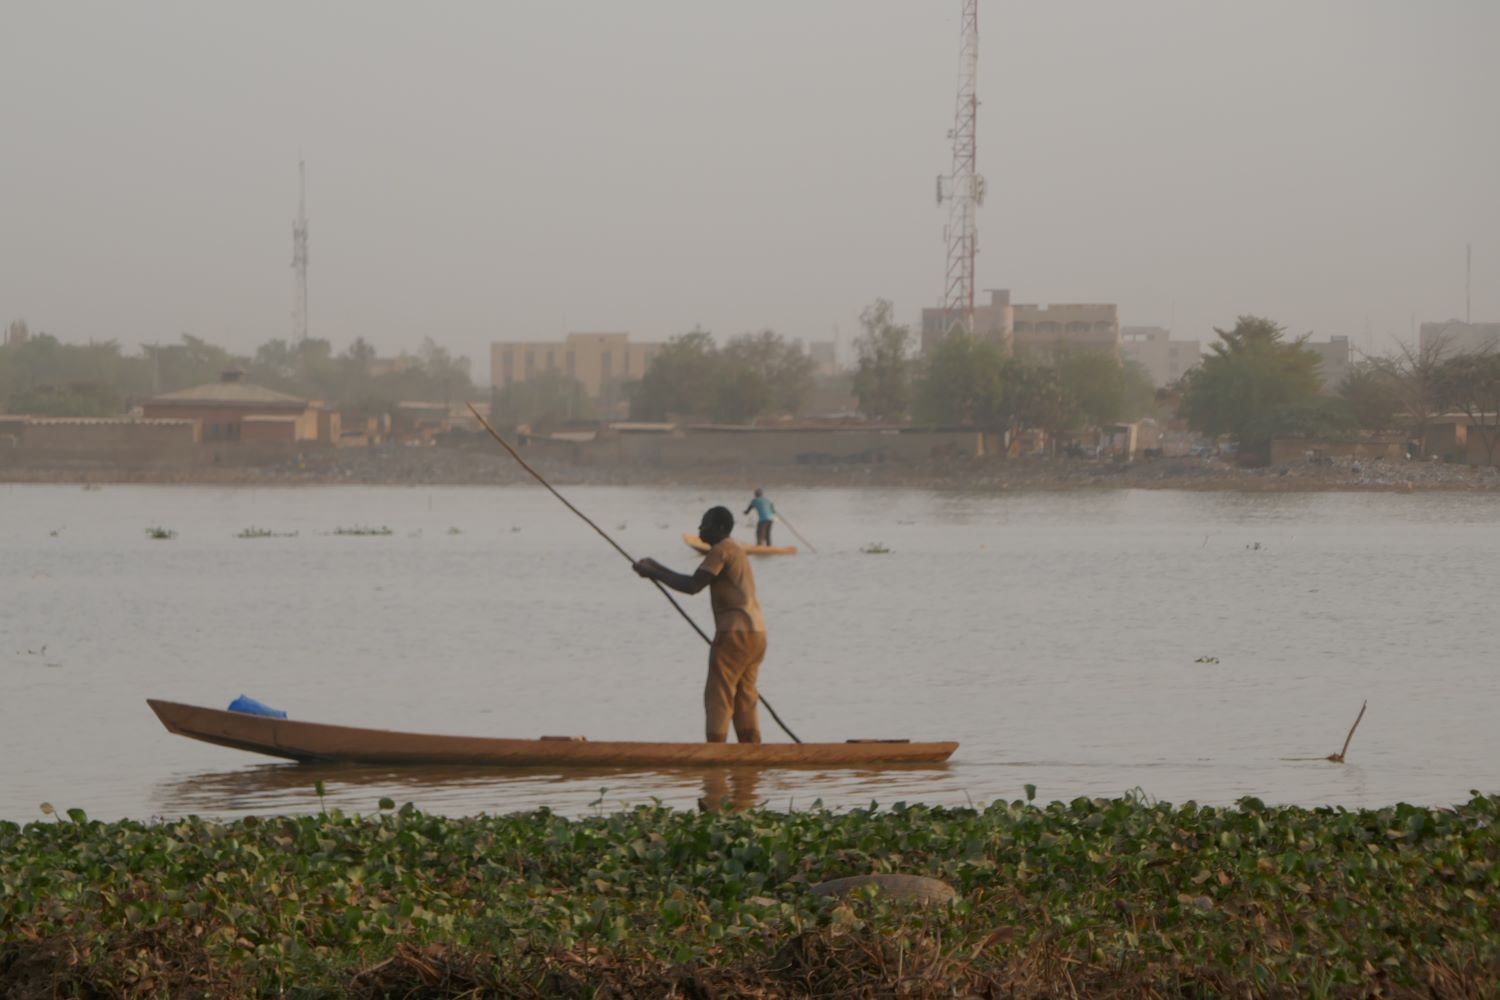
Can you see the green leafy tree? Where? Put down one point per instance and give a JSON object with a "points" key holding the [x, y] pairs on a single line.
{"points": [[1252, 372], [192, 362], [1470, 384], [1138, 397], [72, 399], [547, 396], [883, 374], [681, 381], [1033, 396], [1372, 396], [1105, 390], [961, 383], [763, 373], [46, 377], [1319, 418]]}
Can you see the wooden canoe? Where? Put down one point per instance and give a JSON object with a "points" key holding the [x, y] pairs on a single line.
{"points": [[312, 741], [699, 545]]}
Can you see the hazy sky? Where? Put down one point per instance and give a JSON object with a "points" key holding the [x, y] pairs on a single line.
{"points": [[515, 170]]}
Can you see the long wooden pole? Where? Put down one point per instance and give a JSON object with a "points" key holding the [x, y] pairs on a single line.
{"points": [[796, 532], [602, 534]]}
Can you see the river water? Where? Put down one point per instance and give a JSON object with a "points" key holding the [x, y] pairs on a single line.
{"points": [[1057, 636]]}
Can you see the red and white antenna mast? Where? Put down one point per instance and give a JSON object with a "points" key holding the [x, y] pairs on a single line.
{"points": [[962, 187], [299, 257]]}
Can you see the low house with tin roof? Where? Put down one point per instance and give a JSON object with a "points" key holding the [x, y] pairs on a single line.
{"points": [[232, 409]]}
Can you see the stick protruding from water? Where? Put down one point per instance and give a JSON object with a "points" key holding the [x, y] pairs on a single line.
{"points": [[1338, 758]]}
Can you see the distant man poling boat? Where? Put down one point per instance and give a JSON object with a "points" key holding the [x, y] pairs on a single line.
{"points": [[765, 511], [739, 642]]}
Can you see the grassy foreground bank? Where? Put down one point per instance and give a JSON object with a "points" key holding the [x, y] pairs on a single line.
{"points": [[1117, 898]]}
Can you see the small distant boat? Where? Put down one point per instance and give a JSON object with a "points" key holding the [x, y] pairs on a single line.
{"points": [[699, 545], [315, 742]]}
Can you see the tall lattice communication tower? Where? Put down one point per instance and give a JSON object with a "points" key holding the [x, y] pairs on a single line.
{"points": [[299, 257], [962, 187]]}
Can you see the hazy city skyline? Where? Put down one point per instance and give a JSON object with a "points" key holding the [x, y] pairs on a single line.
{"points": [[484, 172]]}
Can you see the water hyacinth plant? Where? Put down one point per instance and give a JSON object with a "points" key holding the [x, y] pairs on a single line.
{"points": [[360, 529], [1116, 897], [254, 532], [160, 534]]}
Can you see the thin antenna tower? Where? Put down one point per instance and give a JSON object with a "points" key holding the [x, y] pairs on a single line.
{"points": [[299, 257], [963, 187], [1468, 280]]}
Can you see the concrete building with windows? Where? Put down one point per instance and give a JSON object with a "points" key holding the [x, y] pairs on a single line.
{"points": [[1055, 331], [994, 320], [1044, 332], [594, 359], [1456, 337], [1164, 359], [1336, 361]]}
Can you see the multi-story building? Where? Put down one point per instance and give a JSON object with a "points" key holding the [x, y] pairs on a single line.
{"points": [[1055, 331], [594, 359], [1045, 332], [994, 321], [1335, 358], [1164, 359], [1455, 337]]}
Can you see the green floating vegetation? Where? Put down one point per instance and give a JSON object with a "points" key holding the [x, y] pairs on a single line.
{"points": [[874, 549], [1094, 897], [254, 532], [360, 529], [160, 533]]}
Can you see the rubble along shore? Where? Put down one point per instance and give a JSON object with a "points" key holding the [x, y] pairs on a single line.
{"points": [[399, 465]]}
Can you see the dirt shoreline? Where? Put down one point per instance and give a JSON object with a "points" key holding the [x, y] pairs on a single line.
{"points": [[408, 466]]}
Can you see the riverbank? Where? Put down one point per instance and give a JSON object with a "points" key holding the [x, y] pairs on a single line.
{"points": [[400, 465], [1098, 897]]}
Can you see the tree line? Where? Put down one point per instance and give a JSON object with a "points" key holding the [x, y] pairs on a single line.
{"points": [[970, 381], [42, 376], [1254, 384], [966, 381], [691, 378], [1257, 383]]}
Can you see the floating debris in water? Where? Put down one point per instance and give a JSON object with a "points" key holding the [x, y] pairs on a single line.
{"points": [[1207, 659], [874, 549], [161, 534], [360, 529], [254, 532]]}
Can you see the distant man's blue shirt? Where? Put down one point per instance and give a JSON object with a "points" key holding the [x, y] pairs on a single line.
{"points": [[764, 508]]}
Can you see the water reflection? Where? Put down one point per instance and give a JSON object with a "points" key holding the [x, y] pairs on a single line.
{"points": [[457, 790], [729, 789]]}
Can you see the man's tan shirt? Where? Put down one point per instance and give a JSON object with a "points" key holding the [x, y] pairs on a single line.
{"points": [[736, 608]]}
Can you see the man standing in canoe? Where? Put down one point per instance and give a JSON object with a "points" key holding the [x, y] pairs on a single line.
{"points": [[739, 643], [766, 511]]}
